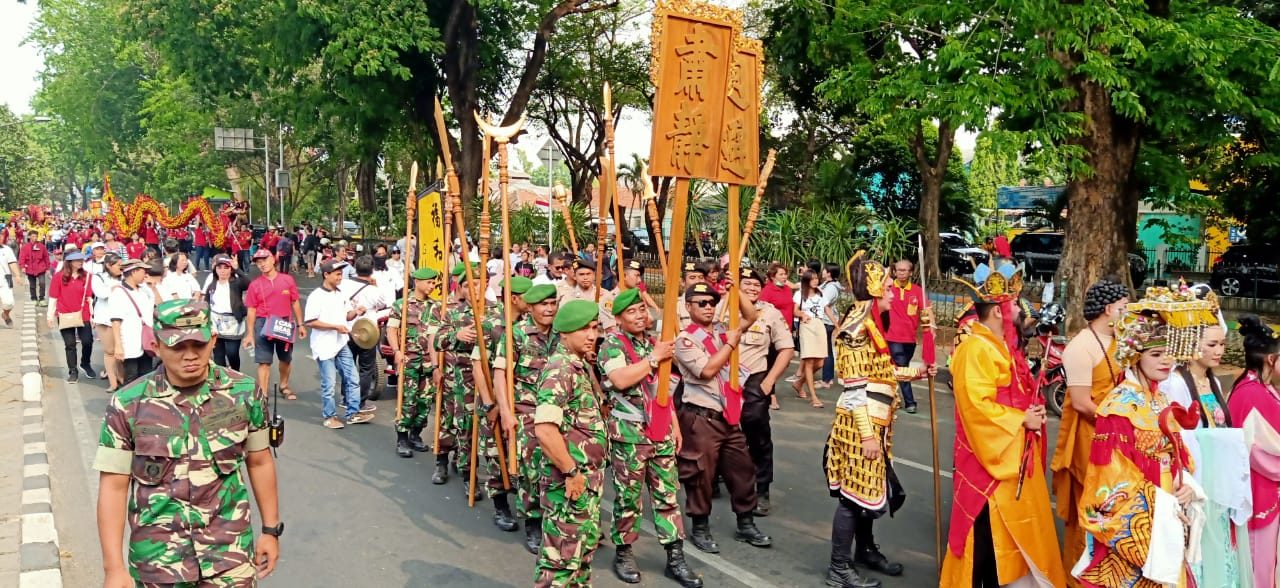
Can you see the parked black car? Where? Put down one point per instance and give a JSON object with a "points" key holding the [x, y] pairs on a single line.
{"points": [[1042, 252], [1247, 270], [957, 256]]}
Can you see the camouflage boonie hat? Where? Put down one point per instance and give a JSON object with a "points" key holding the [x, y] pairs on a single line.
{"points": [[182, 320]]}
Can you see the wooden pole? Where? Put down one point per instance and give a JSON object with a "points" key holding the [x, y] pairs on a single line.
{"points": [[562, 196], [671, 297], [507, 305], [735, 271], [752, 215], [602, 231], [611, 177], [485, 227], [651, 207], [411, 202], [928, 354], [450, 189]]}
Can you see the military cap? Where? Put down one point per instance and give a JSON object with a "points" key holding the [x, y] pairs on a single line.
{"points": [[575, 315], [460, 269], [425, 273], [182, 320], [539, 293], [701, 289], [625, 300], [750, 274], [519, 284], [635, 265], [583, 264], [692, 268]]}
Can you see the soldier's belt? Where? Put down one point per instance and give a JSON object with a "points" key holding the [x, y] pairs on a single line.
{"points": [[629, 412]]}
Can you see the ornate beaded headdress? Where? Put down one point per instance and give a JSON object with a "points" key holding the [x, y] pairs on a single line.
{"points": [[994, 285], [1173, 318], [872, 269]]}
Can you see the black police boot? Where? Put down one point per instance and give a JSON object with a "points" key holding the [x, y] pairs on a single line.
{"points": [[763, 508], [415, 440], [402, 444], [749, 534], [467, 490], [678, 569], [869, 556], [624, 565], [502, 518], [701, 536], [533, 536], [441, 474], [841, 574]]}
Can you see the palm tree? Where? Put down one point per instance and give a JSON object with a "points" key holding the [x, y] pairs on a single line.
{"points": [[1052, 214], [631, 173]]}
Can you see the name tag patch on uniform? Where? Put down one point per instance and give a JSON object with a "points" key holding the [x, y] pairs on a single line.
{"points": [[224, 417], [157, 431]]}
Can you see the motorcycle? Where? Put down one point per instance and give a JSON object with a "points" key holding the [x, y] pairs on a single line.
{"points": [[1047, 368]]}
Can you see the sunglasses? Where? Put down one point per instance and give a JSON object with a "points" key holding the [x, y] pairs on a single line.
{"points": [[704, 303]]}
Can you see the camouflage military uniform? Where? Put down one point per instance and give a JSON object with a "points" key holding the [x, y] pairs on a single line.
{"points": [[417, 403], [532, 348], [571, 529], [459, 393], [637, 462], [494, 332], [188, 505]]}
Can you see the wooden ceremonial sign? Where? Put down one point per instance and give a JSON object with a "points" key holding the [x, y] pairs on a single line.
{"points": [[431, 249]]}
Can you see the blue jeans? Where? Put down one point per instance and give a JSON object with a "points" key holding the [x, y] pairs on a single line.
{"points": [[829, 364], [350, 384], [902, 354]]}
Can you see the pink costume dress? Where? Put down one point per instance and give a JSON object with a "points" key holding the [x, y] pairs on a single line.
{"points": [[1255, 407]]}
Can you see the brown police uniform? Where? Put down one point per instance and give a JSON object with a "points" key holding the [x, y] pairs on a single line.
{"points": [[769, 330]]}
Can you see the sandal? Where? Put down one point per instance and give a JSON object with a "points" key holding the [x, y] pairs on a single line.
{"points": [[288, 394], [798, 387], [817, 404]]}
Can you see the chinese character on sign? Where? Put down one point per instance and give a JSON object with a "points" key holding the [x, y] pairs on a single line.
{"points": [[689, 135], [735, 92], [696, 57], [733, 153]]}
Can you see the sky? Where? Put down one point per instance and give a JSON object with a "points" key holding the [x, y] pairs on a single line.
{"points": [[21, 62]]}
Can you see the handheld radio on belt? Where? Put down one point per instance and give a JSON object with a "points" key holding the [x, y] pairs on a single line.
{"points": [[275, 427]]}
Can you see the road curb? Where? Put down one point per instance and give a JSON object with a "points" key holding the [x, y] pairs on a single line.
{"points": [[40, 557]]}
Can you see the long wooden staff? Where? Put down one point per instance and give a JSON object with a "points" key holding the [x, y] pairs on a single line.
{"points": [[485, 227], [750, 226], [445, 281], [611, 177], [928, 354], [651, 207], [562, 196], [671, 297], [602, 231], [410, 206]]}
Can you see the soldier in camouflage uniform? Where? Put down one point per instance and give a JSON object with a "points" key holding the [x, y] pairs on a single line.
{"points": [[494, 326], [457, 338], [629, 359], [533, 340], [414, 364], [569, 423], [171, 448]]}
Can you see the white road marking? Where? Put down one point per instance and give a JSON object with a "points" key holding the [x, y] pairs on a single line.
{"points": [[51, 578], [36, 496], [919, 466], [38, 528]]}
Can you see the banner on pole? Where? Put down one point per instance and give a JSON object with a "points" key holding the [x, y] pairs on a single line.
{"points": [[431, 248]]}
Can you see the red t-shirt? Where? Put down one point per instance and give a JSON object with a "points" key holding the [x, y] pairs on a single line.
{"points": [[782, 298], [272, 297], [201, 237], [135, 249], [244, 239], [904, 313], [150, 236]]}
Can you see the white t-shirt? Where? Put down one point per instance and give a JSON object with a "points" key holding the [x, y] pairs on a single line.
{"points": [[327, 307], [119, 307], [102, 285], [830, 292], [375, 301], [221, 300], [494, 266], [6, 258], [176, 286], [389, 281]]}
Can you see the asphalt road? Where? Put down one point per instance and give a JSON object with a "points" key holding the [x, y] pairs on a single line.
{"points": [[358, 515]]}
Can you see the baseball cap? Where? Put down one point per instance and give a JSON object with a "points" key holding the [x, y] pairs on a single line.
{"points": [[96, 244], [261, 254], [182, 320], [222, 260], [332, 265]]}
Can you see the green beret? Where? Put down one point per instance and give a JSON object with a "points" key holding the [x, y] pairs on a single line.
{"points": [[539, 293], [575, 315], [425, 273], [460, 270], [520, 284], [625, 300]]}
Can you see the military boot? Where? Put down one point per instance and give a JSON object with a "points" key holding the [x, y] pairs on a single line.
{"points": [[467, 490], [869, 556], [763, 508], [678, 569], [702, 539], [624, 565], [402, 444], [441, 475], [841, 574], [502, 517], [415, 441], [749, 534], [533, 535]]}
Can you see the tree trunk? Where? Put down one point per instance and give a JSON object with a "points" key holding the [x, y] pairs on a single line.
{"points": [[1104, 206], [367, 184], [932, 171]]}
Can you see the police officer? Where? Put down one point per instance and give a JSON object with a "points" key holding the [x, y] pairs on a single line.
{"points": [[569, 423], [769, 330], [533, 341], [170, 452], [694, 273], [413, 363], [710, 420], [582, 287], [641, 455]]}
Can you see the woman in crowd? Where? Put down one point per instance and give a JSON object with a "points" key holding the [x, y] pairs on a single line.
{"points": [[69, 311], [813, 311], [178, 282], [113, 246], [225, 289], [386, 280], [1193, 382], [830, 292], [1255, 406], [102, 284]]}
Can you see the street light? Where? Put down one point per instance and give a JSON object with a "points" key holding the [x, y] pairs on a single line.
{"points": [[34, 119]]}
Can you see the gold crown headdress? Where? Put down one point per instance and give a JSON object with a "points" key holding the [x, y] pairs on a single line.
{"points": [[874, 273], [994, 285], [1175, 318]]}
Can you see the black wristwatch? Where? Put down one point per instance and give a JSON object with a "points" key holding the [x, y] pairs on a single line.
{"points": [[572, 473], [486, 408], [275, 531]]}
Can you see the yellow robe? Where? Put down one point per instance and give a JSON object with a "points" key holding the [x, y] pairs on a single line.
{"points": [[1021, 527]]}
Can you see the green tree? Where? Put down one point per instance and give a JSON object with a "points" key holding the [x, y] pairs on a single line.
{"points": [[995, 163], [25, 173]]}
